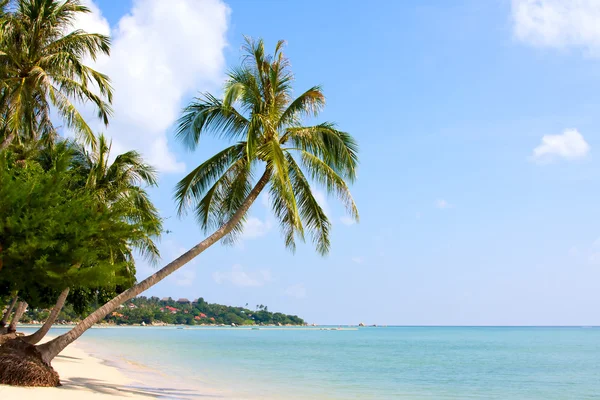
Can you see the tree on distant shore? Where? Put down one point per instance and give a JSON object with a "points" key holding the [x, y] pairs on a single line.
{"points": [[258, 113]]}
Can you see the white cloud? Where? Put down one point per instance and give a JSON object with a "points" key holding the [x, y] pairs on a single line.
{"points": [[183, 277], [240, 278], [298, 291], [92, 22], [558, 23], [569, 145], [161, 52], [358, 260], [255, 228], [442, 204], [348, 221]]}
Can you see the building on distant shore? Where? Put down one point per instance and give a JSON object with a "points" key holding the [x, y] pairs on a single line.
{"points": [[184, 301]]}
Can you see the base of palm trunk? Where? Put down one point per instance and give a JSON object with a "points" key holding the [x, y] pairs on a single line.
{"points": [[21, 365], [5, 337]]}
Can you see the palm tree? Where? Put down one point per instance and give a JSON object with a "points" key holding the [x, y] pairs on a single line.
{"points": [[8, 312], [257, 110], [43, 330], [119, 181], [42, 68], [122, 181], [21, 308]]}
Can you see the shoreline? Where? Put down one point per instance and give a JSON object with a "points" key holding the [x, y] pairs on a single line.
{"points": [[86, 373]]}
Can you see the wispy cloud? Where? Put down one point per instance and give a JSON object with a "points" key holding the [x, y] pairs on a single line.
{"points": [[255, 228], [441, 204], [358, 260], [348, 221], [297, 291], [183, 277], [558, 23], [237, 276], [186, 275], [570, 145], [150, 73]]}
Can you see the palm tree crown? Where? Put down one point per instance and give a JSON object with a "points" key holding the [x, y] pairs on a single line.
{"points": [[42, 67], [258, 112], [122, 182]]}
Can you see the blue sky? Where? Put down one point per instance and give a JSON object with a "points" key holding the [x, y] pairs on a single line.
{"points": [[478, 123]]}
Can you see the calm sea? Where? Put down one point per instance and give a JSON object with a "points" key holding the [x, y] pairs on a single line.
{"points": [[369, 363]]}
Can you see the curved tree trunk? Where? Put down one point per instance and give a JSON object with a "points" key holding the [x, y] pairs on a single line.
{"points": [[8, 311], [51, 349], [40, 333], [7, 141], [21, 307]]}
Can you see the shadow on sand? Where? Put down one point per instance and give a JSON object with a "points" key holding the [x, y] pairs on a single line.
{"points": [[103, 387]]}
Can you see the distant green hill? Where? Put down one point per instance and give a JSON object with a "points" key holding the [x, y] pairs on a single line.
{"points": [[169, 311]]}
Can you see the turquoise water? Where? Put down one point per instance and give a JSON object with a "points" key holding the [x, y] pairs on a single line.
{"points": [[371, 363]]}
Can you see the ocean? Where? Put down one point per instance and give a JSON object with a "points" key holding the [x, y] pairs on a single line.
{"points": [[417, 363]]}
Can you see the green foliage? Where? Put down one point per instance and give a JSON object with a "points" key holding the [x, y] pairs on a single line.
{"points": [[152, 310], [56, 233], [120, 182], [258, 113], [149, 310], [42, 69]]}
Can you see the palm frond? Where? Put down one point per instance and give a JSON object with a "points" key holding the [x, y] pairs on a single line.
{"points": [[195, 185], [313, 217], [338, 149], [207, 114], [326, 176], [309, 103]]}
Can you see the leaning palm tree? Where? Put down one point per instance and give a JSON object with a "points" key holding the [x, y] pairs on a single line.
{"points": [[8, 311], [258, 111], [42, 69]]}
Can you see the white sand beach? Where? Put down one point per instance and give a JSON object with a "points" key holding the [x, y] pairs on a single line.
{"points": [[86, 377]]}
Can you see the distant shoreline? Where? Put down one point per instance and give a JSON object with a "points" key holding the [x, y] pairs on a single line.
{"points": [[207, 327]]}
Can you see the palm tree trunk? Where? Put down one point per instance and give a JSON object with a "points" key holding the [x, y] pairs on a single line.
{"points": [[8, 311], [52, 348], [40, 333], [7, 141], [21, 307]]}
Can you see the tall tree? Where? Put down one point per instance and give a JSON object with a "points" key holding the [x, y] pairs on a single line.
{"points": [[21, 308], [58, 233], [122, 181], [42, 69], [8, 311], [43, 330], [258, 111], [62, 229]]}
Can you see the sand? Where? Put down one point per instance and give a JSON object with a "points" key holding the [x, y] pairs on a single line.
{"points": [[87, 377]]}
